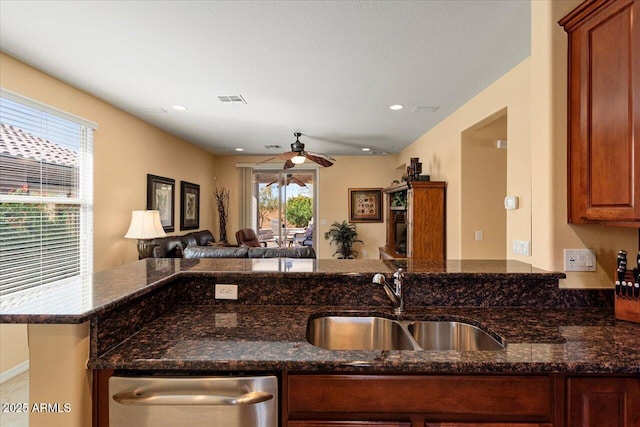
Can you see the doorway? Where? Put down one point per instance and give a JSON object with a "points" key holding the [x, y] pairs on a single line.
{"points": [[285, 206], [483, 188]]}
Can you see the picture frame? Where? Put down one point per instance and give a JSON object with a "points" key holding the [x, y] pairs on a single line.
{"points": [[365, 205], [161, 197], [189, 206]]}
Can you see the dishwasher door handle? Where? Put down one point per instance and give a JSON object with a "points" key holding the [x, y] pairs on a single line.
{"points": [[143, 399]]}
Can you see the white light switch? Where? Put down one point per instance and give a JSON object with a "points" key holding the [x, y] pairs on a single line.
{"points": [[511, 202]]}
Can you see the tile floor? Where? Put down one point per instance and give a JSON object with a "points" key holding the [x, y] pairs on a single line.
{"points": [[16, 390]]}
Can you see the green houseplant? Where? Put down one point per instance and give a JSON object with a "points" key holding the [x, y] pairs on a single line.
{"points": [[344, 235]]}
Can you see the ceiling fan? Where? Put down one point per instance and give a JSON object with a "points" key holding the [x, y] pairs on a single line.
{"points": [[298, 155]]}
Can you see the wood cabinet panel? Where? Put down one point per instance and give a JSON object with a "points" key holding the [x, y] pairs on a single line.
{"points": [[482, 396], [488, 425], [604, 112], [603, 402], [349, 424], [425, 219]]}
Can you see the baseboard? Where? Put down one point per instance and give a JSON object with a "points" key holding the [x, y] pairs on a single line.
{"points": [[14, 372]]}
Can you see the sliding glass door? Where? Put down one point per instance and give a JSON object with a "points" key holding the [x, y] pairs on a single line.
{"points": [[285, 208]]}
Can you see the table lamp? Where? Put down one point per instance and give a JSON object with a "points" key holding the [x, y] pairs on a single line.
{"points": [[145, 226]]}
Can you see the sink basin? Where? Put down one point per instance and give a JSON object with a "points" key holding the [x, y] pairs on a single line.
{"points": [[451, 336], [358, 333], [378, 333]]}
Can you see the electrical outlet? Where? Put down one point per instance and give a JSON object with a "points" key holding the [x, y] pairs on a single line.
{"points": [[226, 291], [579, 260], [479, 235]]}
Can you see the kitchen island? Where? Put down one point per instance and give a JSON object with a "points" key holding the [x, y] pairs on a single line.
{"points": [[162, 315]]}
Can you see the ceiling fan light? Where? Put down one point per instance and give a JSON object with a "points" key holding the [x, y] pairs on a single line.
{"points": [[298, 159]]}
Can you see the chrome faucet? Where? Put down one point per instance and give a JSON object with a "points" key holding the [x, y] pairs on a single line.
{"points": [[394, 295]]}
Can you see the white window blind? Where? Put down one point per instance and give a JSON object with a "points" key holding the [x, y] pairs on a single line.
{"points": [[46, 194]]}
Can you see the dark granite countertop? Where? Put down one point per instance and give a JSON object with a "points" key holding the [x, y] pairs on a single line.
{"points": [[76, 300], [232, 337], [162, 314]]}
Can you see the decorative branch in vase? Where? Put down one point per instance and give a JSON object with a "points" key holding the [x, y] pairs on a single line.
{"points": [[222, 201]]}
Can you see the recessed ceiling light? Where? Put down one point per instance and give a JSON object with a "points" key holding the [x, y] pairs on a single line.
{"points": [[239, 149], [179, 108], [396, 107], [366, 149]]}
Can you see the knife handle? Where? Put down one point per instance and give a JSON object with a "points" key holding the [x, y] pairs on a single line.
{"points": [[620, 272], [622, 257], [636, 290]]}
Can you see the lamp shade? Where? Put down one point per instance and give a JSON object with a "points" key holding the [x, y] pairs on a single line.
{"points": [[145, 225]]}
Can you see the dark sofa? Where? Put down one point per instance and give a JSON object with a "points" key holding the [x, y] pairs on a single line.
{"points": [[195, 251], [173, 246], [195, 245]]}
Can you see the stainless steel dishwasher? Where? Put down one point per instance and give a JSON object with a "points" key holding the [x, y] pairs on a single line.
{"points": [[193, 401]]}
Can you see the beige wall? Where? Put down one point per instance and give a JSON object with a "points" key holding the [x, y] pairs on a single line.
{"points": [[440, 150], [58, 374], [126, 149], [534, 94], [334, 182], [13, 346]]}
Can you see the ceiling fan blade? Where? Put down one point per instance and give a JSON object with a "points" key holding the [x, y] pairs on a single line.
{"points": [[297, 181], [324, 156], [288, 164], [322, 161], [284, 156]]}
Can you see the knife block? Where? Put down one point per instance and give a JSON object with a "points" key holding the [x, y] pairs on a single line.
{"points": [[627, 308]]}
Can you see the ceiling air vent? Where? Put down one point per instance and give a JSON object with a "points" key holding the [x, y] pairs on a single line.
{"points": [[272, 147], [425, 109], [154, 110], [232, 99]]}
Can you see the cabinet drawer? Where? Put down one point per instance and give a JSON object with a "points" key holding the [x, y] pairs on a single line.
{"points": [[349, 424], [487, 425], [481, 395]]}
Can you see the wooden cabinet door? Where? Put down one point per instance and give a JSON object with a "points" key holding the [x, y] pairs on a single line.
{"points": [[604, 112], [487, 425], [603, 402], [349, 424]]}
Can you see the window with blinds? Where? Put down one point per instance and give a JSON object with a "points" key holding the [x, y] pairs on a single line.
{"points": [[46, 194]]}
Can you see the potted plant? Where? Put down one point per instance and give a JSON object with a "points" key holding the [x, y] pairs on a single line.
{"points": [[344, 235]]}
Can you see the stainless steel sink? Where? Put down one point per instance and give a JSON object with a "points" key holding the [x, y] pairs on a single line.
{"points": [[358, 333], [451, 336], [378, 333]]}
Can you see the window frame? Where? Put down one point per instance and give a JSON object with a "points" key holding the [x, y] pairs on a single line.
{"points": [[82, 197]]}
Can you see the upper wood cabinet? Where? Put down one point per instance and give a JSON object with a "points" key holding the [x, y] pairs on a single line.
{"points": [[416, 230], [604, 112]]}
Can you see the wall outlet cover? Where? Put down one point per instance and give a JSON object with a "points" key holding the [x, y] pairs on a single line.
{"points": [[579, 260], [226, 291]]}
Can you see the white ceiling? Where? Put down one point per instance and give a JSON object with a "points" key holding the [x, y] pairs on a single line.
{"points": [[329, 69]]}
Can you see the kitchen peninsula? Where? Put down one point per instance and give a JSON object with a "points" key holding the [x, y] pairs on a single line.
{"points": [[161, 315]]}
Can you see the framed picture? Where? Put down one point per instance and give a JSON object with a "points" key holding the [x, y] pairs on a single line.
{"points": [[160, 197], [189, 206], [365, 205]]}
